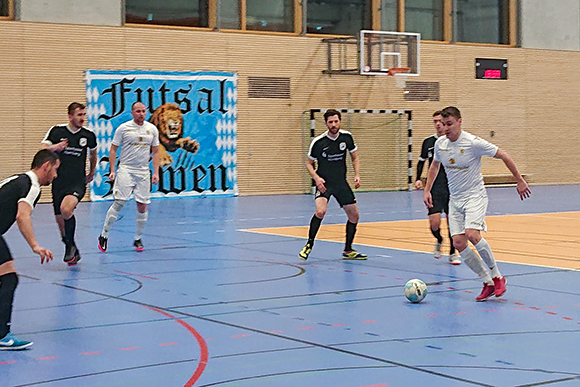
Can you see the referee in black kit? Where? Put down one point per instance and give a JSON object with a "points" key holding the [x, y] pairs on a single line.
{"points": [[18, 196], [329, 150]]}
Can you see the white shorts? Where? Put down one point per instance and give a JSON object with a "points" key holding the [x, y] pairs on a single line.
{"points": [[469, 213], [132, 182]]}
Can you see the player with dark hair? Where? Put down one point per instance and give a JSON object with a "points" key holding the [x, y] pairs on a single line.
{"points": [[440, 191], [460, 153], [72, 141], [18, 196], [329, 151], [138, 140]]}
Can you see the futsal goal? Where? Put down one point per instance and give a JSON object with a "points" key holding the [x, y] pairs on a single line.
{"points": [[384, 141]]}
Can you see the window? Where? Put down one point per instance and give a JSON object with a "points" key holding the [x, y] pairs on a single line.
{"points": [[271, 15], [229, 14], [340, 17], [5, 8], [483, 21], [389, 19], [425, 17], [191, 13]]}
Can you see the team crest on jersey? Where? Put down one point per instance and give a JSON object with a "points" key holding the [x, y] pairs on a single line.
{"points": [[140, 139], [451, 161], [83, 141], [462, 151], [342, 146]]}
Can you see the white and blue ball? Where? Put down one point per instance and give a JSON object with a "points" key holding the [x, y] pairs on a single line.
{"points": [[415, 290]]}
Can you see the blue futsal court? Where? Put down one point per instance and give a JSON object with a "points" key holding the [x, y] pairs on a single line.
{"points": [[209, 303]]}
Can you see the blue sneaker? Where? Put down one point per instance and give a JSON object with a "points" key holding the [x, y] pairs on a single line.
{"points": [[11, 343]]}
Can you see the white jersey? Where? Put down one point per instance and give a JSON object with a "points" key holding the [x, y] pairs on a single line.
{"points": [[462, 162], [135, 142]]}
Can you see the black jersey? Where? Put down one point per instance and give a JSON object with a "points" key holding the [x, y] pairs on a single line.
{"points": [[331, 155], [427, 152], [73, 158], [13, 190]]}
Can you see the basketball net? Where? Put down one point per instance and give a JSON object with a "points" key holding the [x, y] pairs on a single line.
{"points": [[400, 74]]}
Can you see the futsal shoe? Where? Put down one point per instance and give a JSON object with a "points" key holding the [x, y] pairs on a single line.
{"points": [[354, 255], [103, 243], [499, 285], [305, 252], [437, 250], [454, 259], [138, 245], [76, 258], [488, 291], [11, 343], [70, 253]]}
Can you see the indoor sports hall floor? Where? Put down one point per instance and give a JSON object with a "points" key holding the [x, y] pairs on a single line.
{"points": [[219, 297]]}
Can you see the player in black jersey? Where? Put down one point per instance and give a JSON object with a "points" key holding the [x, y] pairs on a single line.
{"points": [[329, 151], [440, 191], [18, 196], [72, 141]]}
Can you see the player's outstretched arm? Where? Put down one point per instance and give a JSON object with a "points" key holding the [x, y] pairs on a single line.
{"points": [[522, 186], [24, 222]]}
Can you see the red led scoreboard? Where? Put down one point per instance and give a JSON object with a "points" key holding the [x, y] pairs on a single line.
{"points": [[491, 68]]}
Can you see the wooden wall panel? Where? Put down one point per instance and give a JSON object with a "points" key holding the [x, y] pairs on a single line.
{"points": [[531, 114]]}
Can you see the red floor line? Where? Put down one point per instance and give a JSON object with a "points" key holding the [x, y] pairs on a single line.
{"points": [[204, 352]]}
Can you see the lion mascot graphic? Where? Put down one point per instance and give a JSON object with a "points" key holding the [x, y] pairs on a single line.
{"points": [[169, 121]]}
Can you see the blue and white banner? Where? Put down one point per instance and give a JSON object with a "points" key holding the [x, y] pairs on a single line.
{"points": [[195, 113]]}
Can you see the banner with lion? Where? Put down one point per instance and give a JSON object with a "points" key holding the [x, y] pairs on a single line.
{"points": [[195, 113]]}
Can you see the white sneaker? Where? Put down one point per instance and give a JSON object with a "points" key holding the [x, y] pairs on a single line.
{"points": [[454, 259], [437, 250]]}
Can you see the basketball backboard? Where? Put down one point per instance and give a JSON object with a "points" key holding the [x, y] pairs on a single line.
{"points": [[382, 51], [374, 53]]}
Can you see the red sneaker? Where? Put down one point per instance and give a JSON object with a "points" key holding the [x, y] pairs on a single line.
{"points": [[499, 285], [488, 291]]}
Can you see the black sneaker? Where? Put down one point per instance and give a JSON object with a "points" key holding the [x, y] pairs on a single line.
{"points": [[69, 253], [138, 245], [103, 243], [72, 256]]}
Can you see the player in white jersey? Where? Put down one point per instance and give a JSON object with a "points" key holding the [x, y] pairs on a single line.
{"points": [[460, 153], [138, 139]]}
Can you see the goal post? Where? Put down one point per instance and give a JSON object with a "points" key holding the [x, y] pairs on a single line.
{"points": [[384, 140]]}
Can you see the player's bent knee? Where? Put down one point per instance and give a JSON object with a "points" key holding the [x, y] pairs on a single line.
{"points": [[474, 236], [119, 204], [320, 214]]}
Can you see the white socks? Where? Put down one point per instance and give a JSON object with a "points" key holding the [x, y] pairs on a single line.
{"points": [[485, 253], [112, 216], [476, 264], [141, 221]]}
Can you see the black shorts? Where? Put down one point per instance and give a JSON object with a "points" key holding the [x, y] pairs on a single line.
{"points": [[341, 191], [59, 193], [440, 203], [5, 255]]}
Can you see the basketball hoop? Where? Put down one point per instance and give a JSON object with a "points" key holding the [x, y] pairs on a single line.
{"points": [[400, 74]]}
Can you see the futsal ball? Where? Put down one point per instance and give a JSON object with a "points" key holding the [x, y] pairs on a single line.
{"points": [[415, 290]]}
